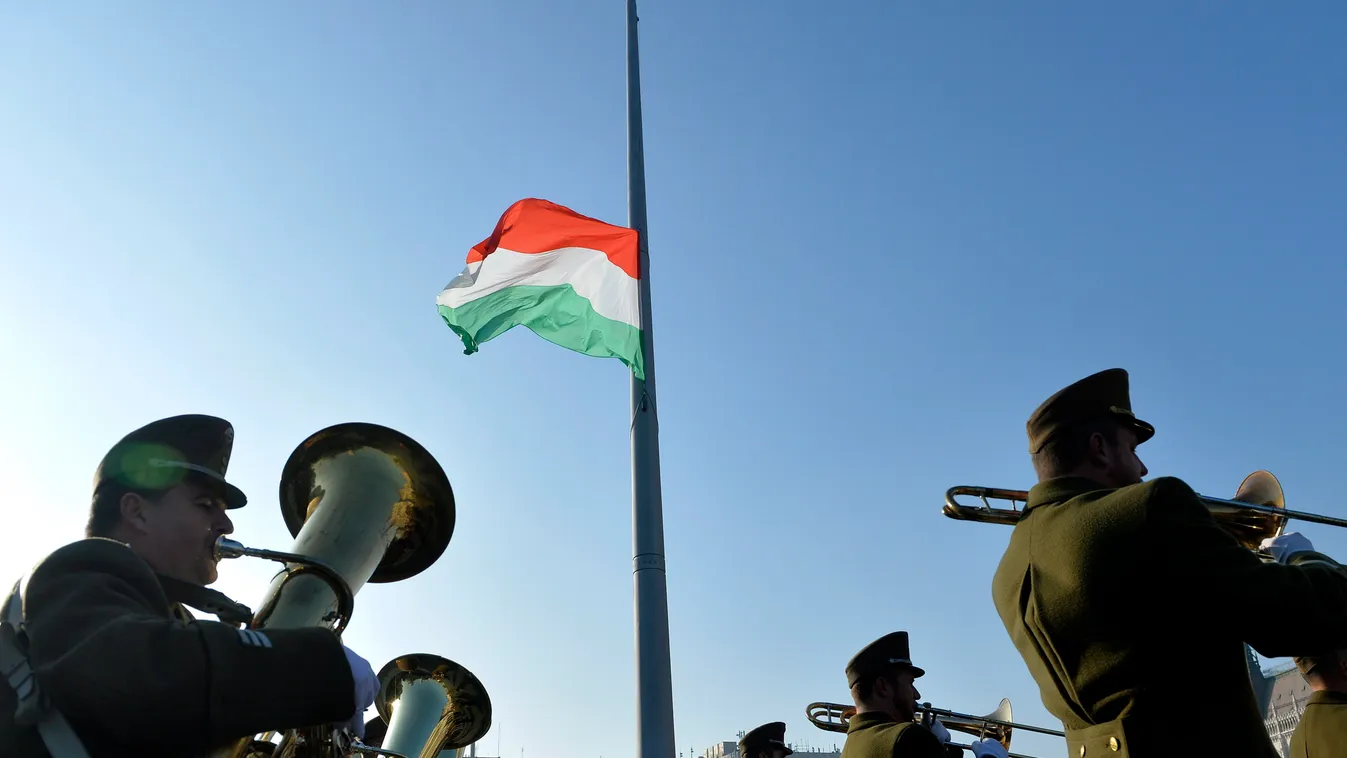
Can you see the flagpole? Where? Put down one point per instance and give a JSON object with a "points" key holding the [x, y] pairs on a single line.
{"points": [[654, 685]]}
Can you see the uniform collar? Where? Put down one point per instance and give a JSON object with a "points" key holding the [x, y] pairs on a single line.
{"points": [[868, 719], [1059, 490], [1328, 697]]}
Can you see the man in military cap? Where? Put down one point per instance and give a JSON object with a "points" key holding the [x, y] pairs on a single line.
{"points": [[102, 659], [1322, 731], [766, 741], [883, 688], [1109, 585]]}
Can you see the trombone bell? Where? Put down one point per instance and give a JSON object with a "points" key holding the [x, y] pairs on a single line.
{"points": [[1251, 527], [996, 725]]}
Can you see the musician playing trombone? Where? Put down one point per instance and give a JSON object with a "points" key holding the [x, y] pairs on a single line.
{"points": [[1322, 731], [882, 680], [102, 658], [1110, 585]]}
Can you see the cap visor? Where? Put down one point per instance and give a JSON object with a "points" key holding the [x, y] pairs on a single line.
{"points": [[1144, 431], [233, 496]]}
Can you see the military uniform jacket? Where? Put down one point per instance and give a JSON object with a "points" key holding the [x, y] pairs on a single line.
{"points": [[1119, 600], [877, 735], [1322, 731], [117, 658]]}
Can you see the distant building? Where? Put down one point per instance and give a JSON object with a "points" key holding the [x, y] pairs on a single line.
{"points": [[1281, 694]]}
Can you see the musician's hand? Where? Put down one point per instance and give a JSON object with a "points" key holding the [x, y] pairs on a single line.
{"points": [[988, 748], [366, 688], [357, 726], [939, 730], [1286, 545]]}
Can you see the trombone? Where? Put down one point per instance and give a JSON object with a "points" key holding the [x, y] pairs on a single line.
{"points": [[997, 725], [1257, 512]]}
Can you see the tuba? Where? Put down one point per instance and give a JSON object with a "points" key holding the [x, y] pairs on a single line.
{"points": [[431, 706], [364, 503]]}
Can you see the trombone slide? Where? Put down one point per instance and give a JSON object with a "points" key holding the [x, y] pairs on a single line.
{"points": [[1257, 512]]}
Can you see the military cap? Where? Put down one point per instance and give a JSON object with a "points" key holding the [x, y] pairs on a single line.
{"points": [[1097, 396], [164, 453], [1308, 663], [765, 737], [889, 650]]}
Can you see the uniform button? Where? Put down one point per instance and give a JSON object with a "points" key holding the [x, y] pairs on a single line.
{"points": [[1082, 751], [1113, 744]]}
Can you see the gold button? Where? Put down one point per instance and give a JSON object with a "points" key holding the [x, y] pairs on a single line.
{"points": [[1082, 751], [1113, 744]]}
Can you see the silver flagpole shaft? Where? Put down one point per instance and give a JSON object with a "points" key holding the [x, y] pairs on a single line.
{"points": [[654, 685]]}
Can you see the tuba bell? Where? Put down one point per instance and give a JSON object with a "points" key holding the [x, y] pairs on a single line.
{"points": [[430, 705], [364, 503]]}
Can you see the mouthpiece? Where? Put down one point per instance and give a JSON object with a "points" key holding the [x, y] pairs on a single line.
{"points": [[227, 548]]}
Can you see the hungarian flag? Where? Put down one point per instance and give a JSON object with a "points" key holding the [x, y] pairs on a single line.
{"points": [[573, 280]]}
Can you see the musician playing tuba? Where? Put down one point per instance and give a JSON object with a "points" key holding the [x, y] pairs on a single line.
{"points": [[101, 656], [1111, 587], [883, 688]]}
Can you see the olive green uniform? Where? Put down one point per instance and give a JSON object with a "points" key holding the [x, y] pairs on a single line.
{"points": [[113, 652], [1322, 731], [1117, 599], [1121, 601], [114, 655], [877, 735]]}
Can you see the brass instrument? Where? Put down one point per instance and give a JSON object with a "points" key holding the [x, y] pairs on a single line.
{"points": [[364, 503], [997, 725], [430, 705], [1257, 512], [831, 717]]}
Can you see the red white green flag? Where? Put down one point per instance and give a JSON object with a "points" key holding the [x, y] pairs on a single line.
{"points": [[571, 279]]}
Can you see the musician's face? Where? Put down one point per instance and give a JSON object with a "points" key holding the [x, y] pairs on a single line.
{"points": [[176, 532], [900, 690], [1124, 466]]}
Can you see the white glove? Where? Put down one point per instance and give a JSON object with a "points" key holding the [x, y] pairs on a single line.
{"points": [[366, 688], [940, 732], [988, 748], [1285, 546]]}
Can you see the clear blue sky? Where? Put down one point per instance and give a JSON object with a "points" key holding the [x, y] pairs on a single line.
{"points": [[881, 234]]}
